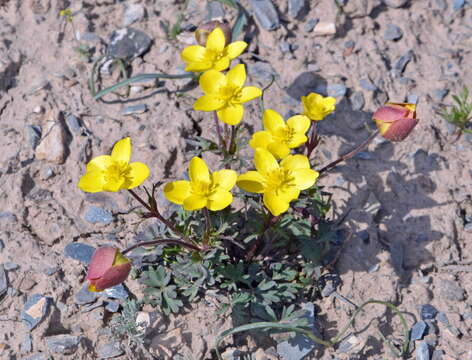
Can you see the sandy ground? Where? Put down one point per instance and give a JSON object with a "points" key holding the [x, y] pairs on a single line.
{"points": [[407, 204]]}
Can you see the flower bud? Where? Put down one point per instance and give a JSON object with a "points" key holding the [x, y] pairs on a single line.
{"points": [[108, 267], [395, 121], [202, 32]]}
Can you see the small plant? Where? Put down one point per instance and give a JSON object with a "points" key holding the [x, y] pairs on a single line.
{"points": [[124, 326], [460, 114]]}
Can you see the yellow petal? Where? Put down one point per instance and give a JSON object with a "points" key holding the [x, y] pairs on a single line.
{"points": [[177, 191], [114, 184], [138, 172], [273, 121], [237, 76], [92, 182], [222, 64], [251, 181], [194, 53], [260, 139], [99, 163], [195, 202], [199, 66], [293, 162], [208, 103], [219, 200], [122, 150], [288, 194], [249, 93], [276, 204], [224, 179], [235, 49], [297, 140], [265, 162], [304, 178], [299, 123], [381, 125], [216, 41], [120, 259], [211, 81], [231, 115], [198, 171], [279, 149]]}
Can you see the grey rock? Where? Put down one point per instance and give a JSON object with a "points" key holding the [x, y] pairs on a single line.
{"points": [[450, 290], [441, 4], [261, 71], [73, 124], [458, 4], [428, 312], [90, 307], [349, 44], [265, 13], [440, 94], [84, 296], [79, 251], [134, 109], [215, 10], [364, 155], [27, 344], [110, 350], [35, 310], [367, 85], [133, 13], [310, 25], [357, 101], [336, 90], [7, 217], [373, 268], [395, 3], [33, 135], [403, 61], [468, 226], [348, 344], [116, 292], [52, 147], [112, 306], [437, 355], [38, 356], [392, 32], [10, 266], [295, 7], [127, 44], [97, 214], [364, 236], [443, 318], [51, 270], [90, 37], [422, 351], [63, 344], [328, 289], [418, 330], [284, 47], [342, 2], [412, 99], [3, 281]]}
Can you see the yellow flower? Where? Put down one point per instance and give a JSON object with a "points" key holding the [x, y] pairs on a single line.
{"points": [[215, 55], [279, 136], [316, 106], [280, 183], [113, 173], [204, 189], [225, 94]]}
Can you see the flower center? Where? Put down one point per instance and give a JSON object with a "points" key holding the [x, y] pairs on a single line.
{"points": [[279, 180], [203, 189], [214, 56], [285, 135], [117, 171], [231, 94]]}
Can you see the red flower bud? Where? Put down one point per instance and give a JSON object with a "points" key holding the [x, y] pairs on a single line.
{"points": [[108, 268], [395, 121], [202, 32]]}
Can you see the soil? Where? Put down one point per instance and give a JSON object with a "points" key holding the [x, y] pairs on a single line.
{"points": [[406, 205]]}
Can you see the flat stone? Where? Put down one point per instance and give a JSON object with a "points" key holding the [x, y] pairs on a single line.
{"points": [[38, 356], [357, 101], [112, 306], [27, 344], [97, 215], [440, 94], [458, 4], [412, 99], [33, 135], [133, 13], [437, 355], [328, 289], [52, 146], [84, 296], [79, 251], [402, 62], [134, 109], [110, 350], [324, 28], [428, 312], [3, 281], [296, 7], [422, 351], [364, 155], [265, 13], [441, 4], [310, 25], [395, 3], [73, 124], [262, 71], [336, 90], [35, 310], [127, 44], [349, 344], [63, 344], [215, 10], [450, 290], [116, 292], [392, 32], [442, 318], [418, 330], [366, 84]]}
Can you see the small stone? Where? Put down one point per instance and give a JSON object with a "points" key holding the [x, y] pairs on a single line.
{"points": [[284, 47], [134, 109], [10, 266], [357, 101], [336, 90], [348, 344], [215, 10], [3, 281], [79, 251], [428, 312], [392, 32], [116, 292], [73, 123], [51, 270], [402, 62], [458, 4], [89, 37], [422, 351], [395, 3], [325, 28], [7, 217], [437, 355], [110, 350], [127, 44], [52, 146], [112, 306], [40, 85], [364, 236], [97, 214], [84, 296], [443, 318], [367, 85], [266, 14], [35, 310], [441, 4], [412, 99], [133, 13], [310, 25], [38, 356], [295, 8], [262, 71], [450, 290], [468, 226], [27, 344], [328, 289], [89, 307], [364, 155], [63, 344], [374, 268], [440, 94], [33, 135]]}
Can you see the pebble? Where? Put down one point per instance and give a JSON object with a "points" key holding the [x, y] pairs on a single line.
{"points": [[97, 214], [422, 351], [112, 306], [364, 155], [3, 281], [336, 90], [443, 318], [395, 3], [215, 10], [133, 13], [33, 135], [262, 71], [110, 350], [428, 312], [403, 61], [437, 355], [441, 4], [38, 356], [35, 310], [10, 266], [468, 226], [284, 47], [458, 4], [127, 44], [266, 14], [440, 94], [89, 37], [450, 290], [84, 296], [357, 101], [325, 28], [392, 32], [50, 271], [374, 268], [27, 344], [348, 344], [366, 84], [116, 292], [52, 146], [364, 236], [310, 25], [412, 99], [134, 109], [328, 289], [73, 123], [295, 8], [63, 344], [79, 251]]}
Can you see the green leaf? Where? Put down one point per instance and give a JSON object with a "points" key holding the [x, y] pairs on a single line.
{"points": [[231, 3]]}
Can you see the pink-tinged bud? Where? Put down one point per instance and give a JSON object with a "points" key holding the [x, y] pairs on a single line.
{"points": [[395, 121], [108, 267], [202, 32]]}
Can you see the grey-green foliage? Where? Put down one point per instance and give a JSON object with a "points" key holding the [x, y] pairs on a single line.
{"points": [[460, 113], [124, 326]]}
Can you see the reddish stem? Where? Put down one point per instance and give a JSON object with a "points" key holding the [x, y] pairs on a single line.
{"points": [[162, 241]]}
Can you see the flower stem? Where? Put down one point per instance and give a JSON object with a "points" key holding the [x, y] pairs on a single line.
{"points": [[218, 131], [206, 237], [162, 241], [313, 140], [270, 221], [232, 144], [350, 154]]}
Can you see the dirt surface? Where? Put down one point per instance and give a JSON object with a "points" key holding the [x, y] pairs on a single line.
{"points": [[407, 204]]}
